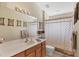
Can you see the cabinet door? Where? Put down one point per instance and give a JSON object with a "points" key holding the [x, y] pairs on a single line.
{"points": [[38, 52], [43, 49], [22, 54], [32, 54]]}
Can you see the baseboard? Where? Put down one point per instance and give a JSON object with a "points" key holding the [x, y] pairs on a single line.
{"points": [[70, 53]]}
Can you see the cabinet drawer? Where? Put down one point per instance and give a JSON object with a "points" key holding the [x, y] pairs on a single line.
{"points": [[38, 46], [30, 50]]}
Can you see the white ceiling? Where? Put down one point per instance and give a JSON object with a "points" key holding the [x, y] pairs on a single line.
{"points": [[55, 8]]}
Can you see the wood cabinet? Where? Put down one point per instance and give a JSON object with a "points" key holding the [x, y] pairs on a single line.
{"points": [[36, 51], [21, 54], [43, 51], [30, 52]]}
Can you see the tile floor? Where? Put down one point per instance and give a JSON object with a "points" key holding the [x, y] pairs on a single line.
{"points": [[57, 54]]}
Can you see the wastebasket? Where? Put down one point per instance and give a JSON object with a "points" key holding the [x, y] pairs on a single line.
{"points": [[49, 50]]}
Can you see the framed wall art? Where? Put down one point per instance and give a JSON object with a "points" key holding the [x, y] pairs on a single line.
{"points": [[10, 22], [1, 21], [18, 22], [24, 24], [40, 25]]}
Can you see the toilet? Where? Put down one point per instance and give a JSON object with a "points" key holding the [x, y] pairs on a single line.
{"points": [[49, 50]]}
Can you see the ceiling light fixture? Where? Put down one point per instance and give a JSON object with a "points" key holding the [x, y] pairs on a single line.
{"points": [[47, 6]]}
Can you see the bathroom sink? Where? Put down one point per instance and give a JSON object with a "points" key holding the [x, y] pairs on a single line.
{"points": [[38, 40], [28, 41]]}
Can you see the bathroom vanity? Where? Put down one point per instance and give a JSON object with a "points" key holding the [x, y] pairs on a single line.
{"points": [[35, 51], [18, 48]]}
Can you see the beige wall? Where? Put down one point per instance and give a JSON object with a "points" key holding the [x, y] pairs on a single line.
{"points": [[46, 16], [9, 32], [28, 6]]}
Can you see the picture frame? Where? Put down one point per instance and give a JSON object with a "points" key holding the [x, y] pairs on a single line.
{"points": [[10, 22], [19, 22], [40, 25], [24, 24], [1, 21]]}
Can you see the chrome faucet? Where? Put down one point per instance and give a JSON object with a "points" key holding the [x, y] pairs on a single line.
{"points": [[25, 35]]}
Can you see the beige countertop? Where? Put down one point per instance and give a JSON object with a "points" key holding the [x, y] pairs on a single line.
{"points": [[11, 48]]}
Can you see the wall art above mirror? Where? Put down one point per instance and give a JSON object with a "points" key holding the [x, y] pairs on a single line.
{"points": [[10, 22], [1, 21], [24, 24], [19, 22]]}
